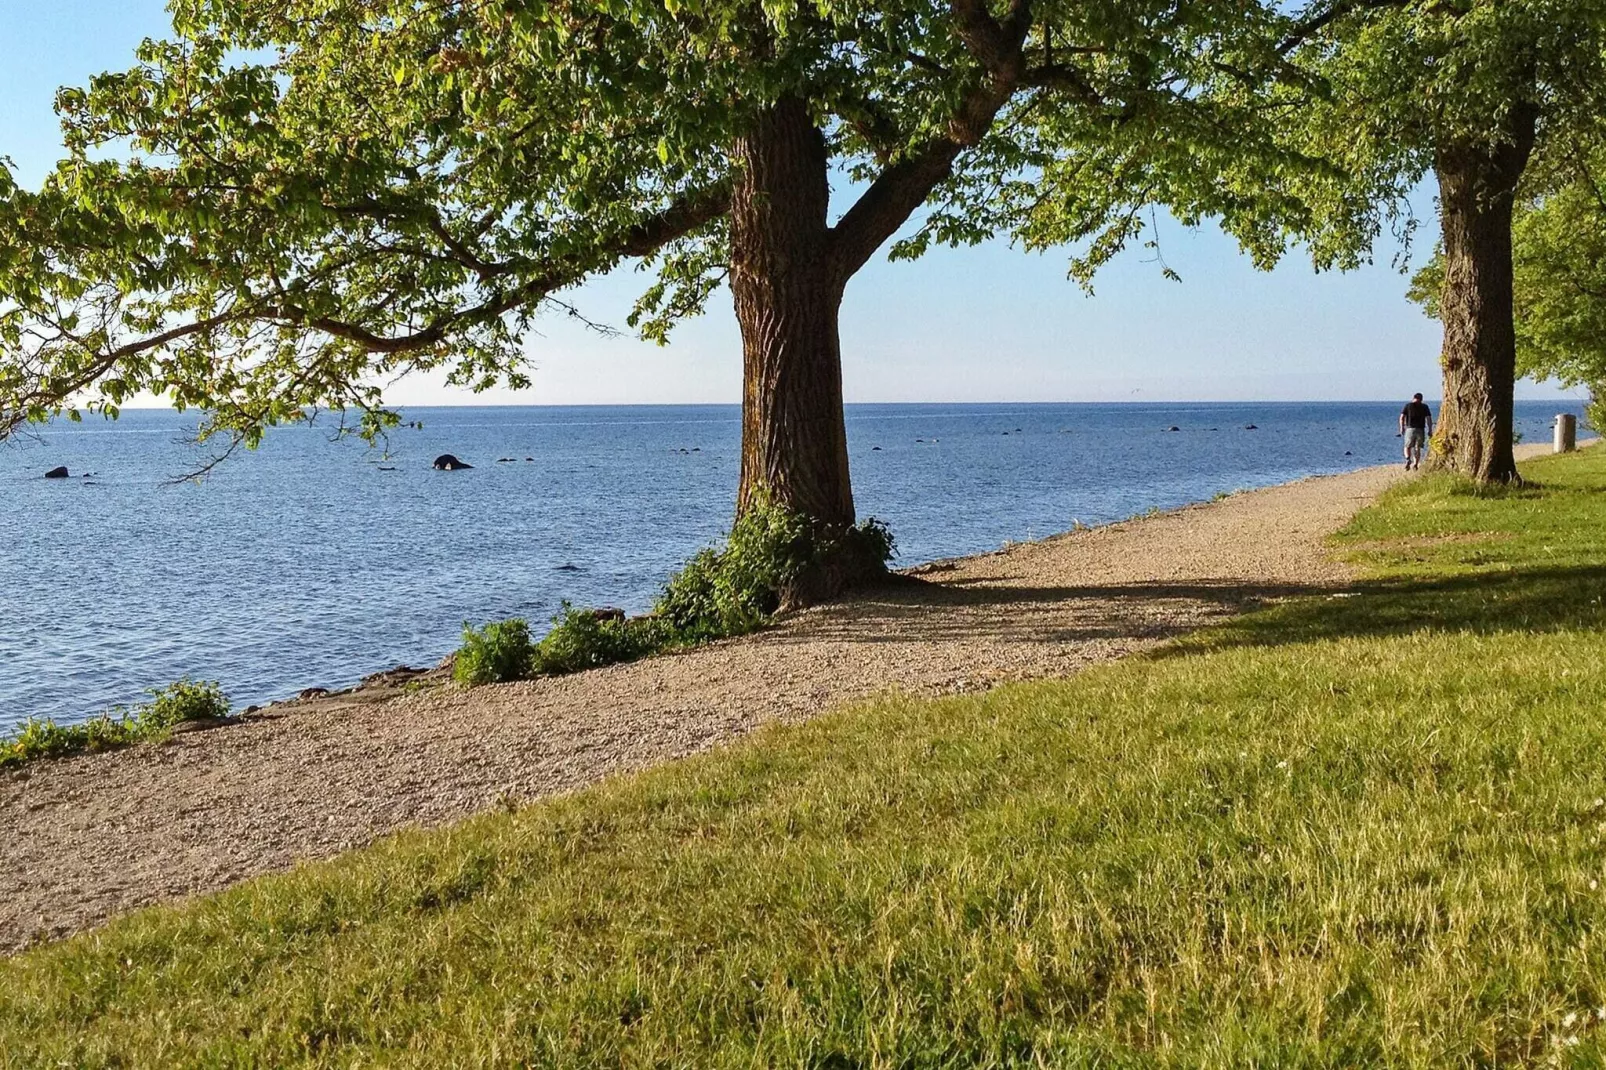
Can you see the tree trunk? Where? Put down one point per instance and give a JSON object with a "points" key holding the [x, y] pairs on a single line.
{"points": [[1477, 190], [788, 293]]}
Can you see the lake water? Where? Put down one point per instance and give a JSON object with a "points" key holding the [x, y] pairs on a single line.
{"points": [[309, 563]]}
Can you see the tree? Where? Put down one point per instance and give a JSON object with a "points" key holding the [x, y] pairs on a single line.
{"points": [[1467, 90], [403, 185], [1559, 267]]}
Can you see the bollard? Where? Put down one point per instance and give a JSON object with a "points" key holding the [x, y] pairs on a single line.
{"points": [[1566, 432]]}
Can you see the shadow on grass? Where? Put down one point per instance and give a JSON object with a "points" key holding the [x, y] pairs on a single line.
{"points": [[1488, 602]]}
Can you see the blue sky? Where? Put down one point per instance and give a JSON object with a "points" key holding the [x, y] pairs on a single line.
{"points": [[984, 324]]}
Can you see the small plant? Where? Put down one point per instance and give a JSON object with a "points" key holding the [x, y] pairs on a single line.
{"points": [[183, 700], [180, 701], [495, 654], [581, 639]]}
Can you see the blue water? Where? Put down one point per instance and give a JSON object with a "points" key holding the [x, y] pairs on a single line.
{"points": [[306, 563]]}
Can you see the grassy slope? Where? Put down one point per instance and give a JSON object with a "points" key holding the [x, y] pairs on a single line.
{"points": [[1343, 831]]}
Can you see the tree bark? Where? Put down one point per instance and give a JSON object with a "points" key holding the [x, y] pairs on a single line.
{"points": [[1477, 191], [788, 294]]}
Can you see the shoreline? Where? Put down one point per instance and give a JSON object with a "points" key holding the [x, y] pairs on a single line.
{"points": [[307, 778]]}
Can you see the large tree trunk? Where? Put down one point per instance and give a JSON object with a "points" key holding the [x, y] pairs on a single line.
{"points": [[1477, 190], [788, 292], [783, 278]]}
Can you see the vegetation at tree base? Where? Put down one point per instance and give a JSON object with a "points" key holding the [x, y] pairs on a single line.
{"points": [[723, 591], [1340, 832], [1470, 91], [182, 700], [492, 155], [733, 590]]}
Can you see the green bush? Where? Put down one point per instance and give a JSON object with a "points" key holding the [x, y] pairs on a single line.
{"points": [[580, 640], [182, 700], [734, 590], [721, 592], [496, 654]]}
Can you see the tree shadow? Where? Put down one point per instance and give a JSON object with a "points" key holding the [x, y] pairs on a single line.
{"points": [[1486, 602], [911, 610]]}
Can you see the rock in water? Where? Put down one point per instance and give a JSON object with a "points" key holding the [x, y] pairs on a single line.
{"points": [[447, 462], [57, 473]]}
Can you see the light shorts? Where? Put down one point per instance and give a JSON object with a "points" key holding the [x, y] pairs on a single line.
{"points": [[1415, 437]]}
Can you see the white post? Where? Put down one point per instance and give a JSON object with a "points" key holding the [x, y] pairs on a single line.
{"points": [[1566, 432]]}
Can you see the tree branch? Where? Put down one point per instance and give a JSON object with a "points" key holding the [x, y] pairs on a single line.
{"points": [[903, 185], [1314, 24]]}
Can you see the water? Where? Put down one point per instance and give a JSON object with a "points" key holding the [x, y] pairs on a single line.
{"points": [[307, 563]]}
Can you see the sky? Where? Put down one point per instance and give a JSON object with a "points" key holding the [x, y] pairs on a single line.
{"points": [[986, 324]]}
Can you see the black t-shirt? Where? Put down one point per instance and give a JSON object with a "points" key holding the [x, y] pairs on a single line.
{"points": [[1416, 414]]}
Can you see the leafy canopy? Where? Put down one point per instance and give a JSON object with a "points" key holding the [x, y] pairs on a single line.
{"points": [[1391, 85], [292, 202]]}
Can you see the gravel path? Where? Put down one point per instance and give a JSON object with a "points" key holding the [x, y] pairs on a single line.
{"points": [[83, 838]]}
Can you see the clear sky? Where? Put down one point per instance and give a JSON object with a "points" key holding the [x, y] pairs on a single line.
{"points": [[985, 324]]}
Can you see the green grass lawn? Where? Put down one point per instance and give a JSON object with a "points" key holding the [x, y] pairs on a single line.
{"points": [[1341, 832]]}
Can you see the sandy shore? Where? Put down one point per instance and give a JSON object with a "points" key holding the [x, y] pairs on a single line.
{"points": [[83, 838]]}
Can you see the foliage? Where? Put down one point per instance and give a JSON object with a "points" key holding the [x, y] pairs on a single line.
{"points": [[1595, 408], [580, 640], [733, 590], [721, 592], [1337, 832], [182, 700], [208, 239], [185, 700], [496, 654], [1386, 86]]}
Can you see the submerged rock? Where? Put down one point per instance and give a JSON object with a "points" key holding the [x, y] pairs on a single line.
{"points": [[57, 473], [447, 462]]}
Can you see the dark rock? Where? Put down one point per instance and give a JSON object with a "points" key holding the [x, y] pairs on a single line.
{"points": [[1173, 427], [201, 724], [312, 692], [1250, 427], [387, 468], [1347, 453], [505, 460], [391, 677], [875, 449], [529, 458], [446, 462], [567, 568], [57, 473]]}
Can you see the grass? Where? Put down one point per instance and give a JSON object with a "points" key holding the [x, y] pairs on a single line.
{"points": [[1344, 831]]}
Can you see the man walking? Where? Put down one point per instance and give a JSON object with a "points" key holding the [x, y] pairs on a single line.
{"points": [[1416, 426]]}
